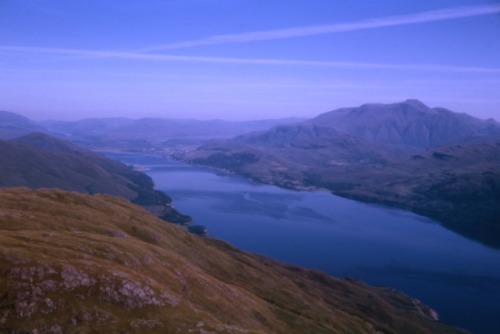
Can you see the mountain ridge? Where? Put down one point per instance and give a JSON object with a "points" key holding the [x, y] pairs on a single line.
{"points": [[13, 125], [39, 160], [152, 133], [410, 123], [450, 182]]}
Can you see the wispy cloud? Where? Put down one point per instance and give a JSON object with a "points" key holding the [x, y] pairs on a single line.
{"points": [[429, 16], [97, 54]]}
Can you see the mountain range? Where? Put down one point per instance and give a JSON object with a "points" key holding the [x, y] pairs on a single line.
{"points": [[153, 133], [429, 160], [73, 262], [433, 161]]}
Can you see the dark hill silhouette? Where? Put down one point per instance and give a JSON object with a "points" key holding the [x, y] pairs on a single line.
{"points": [[13, 125], [42, 161]]}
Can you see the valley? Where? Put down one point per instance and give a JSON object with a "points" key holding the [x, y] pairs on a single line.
{"points": [[453, 177], [380, 245], [250, 167], [394, 159]]}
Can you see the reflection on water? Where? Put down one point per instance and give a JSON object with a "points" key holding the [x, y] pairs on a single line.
{"points": [[383, 246]]}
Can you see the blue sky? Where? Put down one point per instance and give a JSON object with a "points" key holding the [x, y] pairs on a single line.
{"points": [[245, 59]]}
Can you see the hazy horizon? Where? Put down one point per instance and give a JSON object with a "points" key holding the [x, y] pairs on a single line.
{"points": [[78, 117], [245, 60]]}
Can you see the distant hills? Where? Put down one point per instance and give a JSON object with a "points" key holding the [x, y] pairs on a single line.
{"points": [[157, 133], [429, 160], [433, 161], [13, 125], [32, 156], [71, 263], [38, 160]]}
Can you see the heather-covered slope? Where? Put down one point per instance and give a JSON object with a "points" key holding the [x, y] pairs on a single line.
{"points": [[77, 263]]}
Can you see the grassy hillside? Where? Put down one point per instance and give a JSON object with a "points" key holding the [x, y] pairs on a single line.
{"points": [[76, 263]]}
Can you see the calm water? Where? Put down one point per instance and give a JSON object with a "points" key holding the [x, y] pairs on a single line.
{"points": [[382, 246]]}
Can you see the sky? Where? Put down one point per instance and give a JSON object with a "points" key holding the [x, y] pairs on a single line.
{"points": [[245, 59]]}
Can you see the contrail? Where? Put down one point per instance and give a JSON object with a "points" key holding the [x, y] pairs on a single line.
{"points": [[251, 61], [429, 16]]}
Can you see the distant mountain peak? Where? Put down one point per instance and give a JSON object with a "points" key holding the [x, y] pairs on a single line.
{"points": [[415, 102], [410, 123], [411, 105], [417, 105]]}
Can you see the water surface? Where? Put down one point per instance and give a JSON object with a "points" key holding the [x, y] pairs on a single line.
{"points": [[458, 277]]}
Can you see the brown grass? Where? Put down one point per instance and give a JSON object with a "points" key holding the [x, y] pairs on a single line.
{"points": [[74, 263]]}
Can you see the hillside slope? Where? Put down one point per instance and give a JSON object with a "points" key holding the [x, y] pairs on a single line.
{"points": [[458, 185], [42, 161], [78, 263], [286, 153], [13, 125]]}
